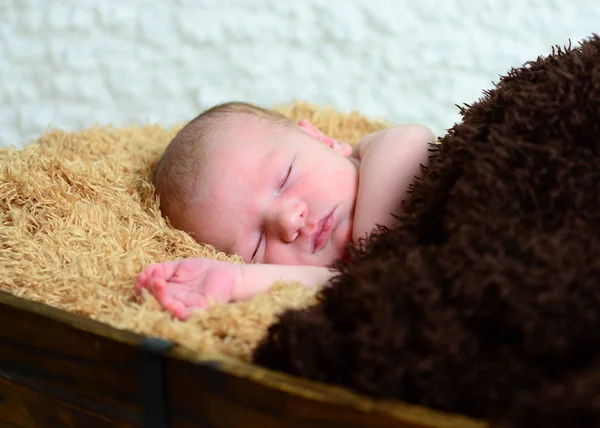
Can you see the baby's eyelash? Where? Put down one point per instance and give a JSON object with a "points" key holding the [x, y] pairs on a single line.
{"points": [[286, 177], [256, 249]]}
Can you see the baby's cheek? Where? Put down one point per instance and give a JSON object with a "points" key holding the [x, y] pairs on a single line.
{"points": [[282, 255], [345, 181], [345, 233]]}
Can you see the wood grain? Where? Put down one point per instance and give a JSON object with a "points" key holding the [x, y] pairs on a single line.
{"points": [[235, 394], [23, 407], [61, 370], [71, 358]]}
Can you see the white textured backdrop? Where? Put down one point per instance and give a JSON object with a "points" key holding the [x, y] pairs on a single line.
{"points": [[72, 63]]}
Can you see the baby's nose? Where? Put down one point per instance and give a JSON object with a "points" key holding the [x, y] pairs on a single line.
{"points": [[291, 220]]}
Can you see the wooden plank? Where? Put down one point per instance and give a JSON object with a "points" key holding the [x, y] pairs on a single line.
{"points": [[220, 393], [25, 408], [94, 367], [72, 358]]}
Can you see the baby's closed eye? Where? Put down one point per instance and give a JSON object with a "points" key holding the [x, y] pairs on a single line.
{"points": [[287, 175], [260, 238]]}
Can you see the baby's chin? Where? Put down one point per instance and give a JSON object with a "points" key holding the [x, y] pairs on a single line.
{"points": [[341, 251], [345, 255], [342, 254]]}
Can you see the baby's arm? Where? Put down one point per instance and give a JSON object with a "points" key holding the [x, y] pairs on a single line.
{"points": [[180, 286], [389, 161], [257, 278]]}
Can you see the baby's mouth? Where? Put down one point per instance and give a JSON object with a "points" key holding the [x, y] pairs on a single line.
{"points": [[321, 235]]}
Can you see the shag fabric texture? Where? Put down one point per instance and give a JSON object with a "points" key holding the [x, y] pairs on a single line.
{"points": [[484, 299], [79, 221]]}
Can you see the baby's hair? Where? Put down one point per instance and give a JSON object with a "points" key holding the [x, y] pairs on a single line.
{"points": [[236, 107], [176, 174]]}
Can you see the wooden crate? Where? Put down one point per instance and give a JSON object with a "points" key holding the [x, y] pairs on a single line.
{"points": [[58, 369]]}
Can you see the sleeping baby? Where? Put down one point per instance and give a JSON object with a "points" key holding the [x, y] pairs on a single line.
{"points": [[282, 195]]}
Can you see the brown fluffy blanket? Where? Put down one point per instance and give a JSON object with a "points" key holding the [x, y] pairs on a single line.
{"points": [[485, 298]]}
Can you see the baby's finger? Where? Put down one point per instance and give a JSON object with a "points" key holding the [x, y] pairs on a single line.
{"points": [[141, 281], [161, 270], [178, 309], [149, 272], [158, 288], [165, 298]]}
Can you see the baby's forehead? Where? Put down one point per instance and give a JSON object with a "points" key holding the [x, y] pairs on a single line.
{"points": [[248, 123], [244, 129]]}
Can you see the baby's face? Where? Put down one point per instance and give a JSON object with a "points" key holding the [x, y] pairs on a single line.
{"points": [[280, 197]]}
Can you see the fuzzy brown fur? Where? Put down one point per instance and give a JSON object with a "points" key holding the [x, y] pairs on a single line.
{"points": [[485, 298]]}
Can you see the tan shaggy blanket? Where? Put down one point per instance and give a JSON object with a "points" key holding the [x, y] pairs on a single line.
{"points": [[79, 220]]}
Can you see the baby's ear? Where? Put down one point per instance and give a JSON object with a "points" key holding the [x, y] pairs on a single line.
{"points": [[343, 149]]}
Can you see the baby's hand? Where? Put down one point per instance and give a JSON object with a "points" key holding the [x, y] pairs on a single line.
{"points": [[183, 285]]}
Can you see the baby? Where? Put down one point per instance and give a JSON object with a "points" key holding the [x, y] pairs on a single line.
{"points": [[282, 195]]}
